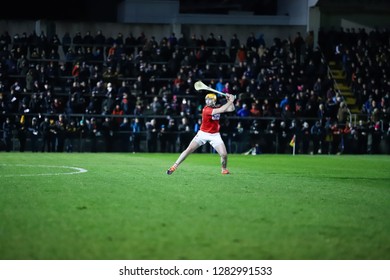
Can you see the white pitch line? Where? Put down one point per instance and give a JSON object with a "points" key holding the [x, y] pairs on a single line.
{"points": [[77, 170]]}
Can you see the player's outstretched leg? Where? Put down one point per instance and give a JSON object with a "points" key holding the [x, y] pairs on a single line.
{"points": [[190, 149], [172, 169]]}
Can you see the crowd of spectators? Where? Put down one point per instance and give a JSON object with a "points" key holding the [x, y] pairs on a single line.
{"points": [[88, 86]]}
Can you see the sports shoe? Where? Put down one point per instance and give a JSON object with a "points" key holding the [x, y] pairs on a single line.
{"points": [[225, 171], [171, 170]]}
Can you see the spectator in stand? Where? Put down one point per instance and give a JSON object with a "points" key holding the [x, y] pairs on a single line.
{"points": [[99, 88], [97, 57], [60, 135], [151, 135], [309, 41], [243, 111], [112, 55], [71, 136], [163, 138], [185, 134], [241, 54], [282, 134], [126, 105], [139, 108], [22, 133], [22, 65], [174, 63], [88, 41], [70, 58], [322, 114], [8, 128], [286, 113], [100, 41], [337, 145], [227, 131], [77, 42], [107, 130], [44, 129], [110, 89], [118, 120], [136, 135], [33, 130], [220, 85], [30, 78], [238, 137], [375, 116], [82, 134], [317, 87], [94, 133], [76, 70], [255, 111], [172, 135], [376, 137], [94, 105], [255, 137], [251, 42], [125, 134], [342, 113], [270, 137], [328, 137], [156, 106], [66, 42], [299, 47], [221, 43], [305, 137], [234, 46], [110, 75], [362, 137], [227, 89], [277, 111], [348, 138], [266, 108], [182, 41], [285, 101], [317, 135]]}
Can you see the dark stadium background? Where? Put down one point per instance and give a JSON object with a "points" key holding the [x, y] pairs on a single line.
{"points": [[105, 10]]}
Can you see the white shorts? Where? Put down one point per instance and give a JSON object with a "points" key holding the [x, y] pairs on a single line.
{"points": [[213, 138]]}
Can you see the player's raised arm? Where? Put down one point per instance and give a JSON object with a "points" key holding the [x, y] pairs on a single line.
{"points": [[227, 107]]}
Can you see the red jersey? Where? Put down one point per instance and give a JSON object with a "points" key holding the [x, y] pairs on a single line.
{"points": [[210, 123]]}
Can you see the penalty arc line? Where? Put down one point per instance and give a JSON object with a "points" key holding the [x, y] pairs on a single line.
{"points": [[77, 170]]}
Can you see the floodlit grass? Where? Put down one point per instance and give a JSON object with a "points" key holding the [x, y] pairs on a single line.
{"points": [[125, 207]]}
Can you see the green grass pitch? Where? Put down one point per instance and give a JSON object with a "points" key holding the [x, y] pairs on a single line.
{"points": [[272, 207]]}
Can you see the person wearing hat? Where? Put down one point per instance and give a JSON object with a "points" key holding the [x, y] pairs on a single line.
{"points": [[209, 131]]}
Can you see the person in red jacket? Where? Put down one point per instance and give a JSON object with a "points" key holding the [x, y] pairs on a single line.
{"points": [[209, 131]]}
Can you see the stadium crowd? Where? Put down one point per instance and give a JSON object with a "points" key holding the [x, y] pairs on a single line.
{"points": [[57, 91]]}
